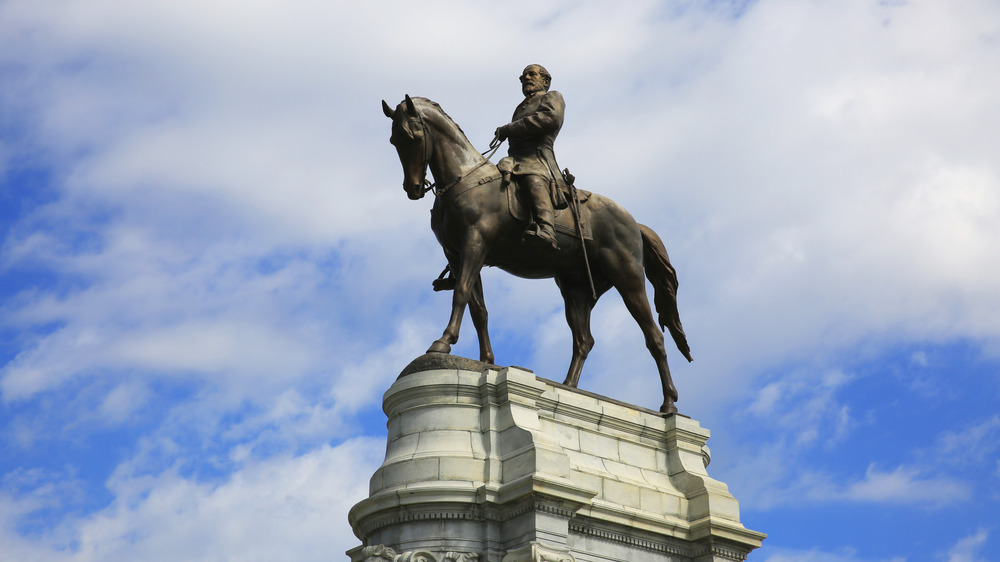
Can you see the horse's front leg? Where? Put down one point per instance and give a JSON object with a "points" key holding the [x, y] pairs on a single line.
{"points": [[466, 273]]}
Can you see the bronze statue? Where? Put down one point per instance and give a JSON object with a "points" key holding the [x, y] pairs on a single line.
{"points": [[531, 133], [479, 220]]}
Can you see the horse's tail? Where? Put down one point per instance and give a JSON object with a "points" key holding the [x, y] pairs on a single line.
{"points": [[664, 279]]}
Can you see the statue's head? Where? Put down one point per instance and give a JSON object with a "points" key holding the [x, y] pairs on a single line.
{"points": [[535, 79]]}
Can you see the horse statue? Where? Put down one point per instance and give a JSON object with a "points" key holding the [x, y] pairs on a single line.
{"points": [[475, 226]]}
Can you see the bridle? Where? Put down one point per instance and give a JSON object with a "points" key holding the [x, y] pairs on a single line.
{"points": [[426, 186], [432, 186]]}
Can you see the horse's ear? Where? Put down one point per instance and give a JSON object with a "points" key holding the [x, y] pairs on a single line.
{"points": [[409, 105], [386, 109]]}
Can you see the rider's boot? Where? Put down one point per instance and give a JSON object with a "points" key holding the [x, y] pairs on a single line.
{"points": [[545, 233], [542, 231]]}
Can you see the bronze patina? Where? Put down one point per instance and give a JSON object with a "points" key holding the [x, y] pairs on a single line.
{"points": [[473, 221], [531, 135]]}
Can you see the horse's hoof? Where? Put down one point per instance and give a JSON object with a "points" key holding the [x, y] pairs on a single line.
{"points": [[668, 408], [439, 347]]}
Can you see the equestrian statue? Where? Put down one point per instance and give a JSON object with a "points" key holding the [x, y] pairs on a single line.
{"points": [[526, 217]]}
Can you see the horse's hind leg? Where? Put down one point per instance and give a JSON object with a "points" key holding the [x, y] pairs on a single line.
{"points": [[480, 319], [579, 304], [632, 288]]}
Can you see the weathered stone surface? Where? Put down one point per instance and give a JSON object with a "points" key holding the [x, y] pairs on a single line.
{"points": [[438, 361], [498, 463]]}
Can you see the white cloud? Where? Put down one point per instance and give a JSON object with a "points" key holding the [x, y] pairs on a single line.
{"points": [[967, 549], [282, 508], [818, 555], [124, 402], [976, 444], [802, 406], [949, 472], [771, 480], [905, 486]]}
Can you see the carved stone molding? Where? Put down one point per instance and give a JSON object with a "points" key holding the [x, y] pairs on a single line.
{"points": [[452, 515], [627, 539], [378, 553], [720, 551], [536, 505], [535, 552], [459, 557], [382, 553]]}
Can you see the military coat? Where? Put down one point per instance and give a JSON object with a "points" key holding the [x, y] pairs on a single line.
{"points": [[530, 136]]}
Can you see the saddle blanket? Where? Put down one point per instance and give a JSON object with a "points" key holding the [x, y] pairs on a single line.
{"points": [[564, 220]]}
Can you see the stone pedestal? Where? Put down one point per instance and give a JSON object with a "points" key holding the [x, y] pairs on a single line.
{"points": [[493, 464]]}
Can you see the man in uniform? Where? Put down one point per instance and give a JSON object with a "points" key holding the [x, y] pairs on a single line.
{"points": [[531, 134], [531, 161]]}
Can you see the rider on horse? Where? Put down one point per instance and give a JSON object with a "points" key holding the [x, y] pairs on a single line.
{"points": [[476, 229], [530, 161], [531, 134]]}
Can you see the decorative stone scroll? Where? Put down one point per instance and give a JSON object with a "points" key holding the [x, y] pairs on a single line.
{"points": [[382, 553]]}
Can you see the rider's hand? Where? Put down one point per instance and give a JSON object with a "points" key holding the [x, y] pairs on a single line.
{"points": [[501, 133]]}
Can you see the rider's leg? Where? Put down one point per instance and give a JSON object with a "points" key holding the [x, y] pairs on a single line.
{"points": [[537, 189]]}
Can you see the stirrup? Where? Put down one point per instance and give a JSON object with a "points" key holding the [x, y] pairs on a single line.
{"points": [[443, 283], [540, 237]]}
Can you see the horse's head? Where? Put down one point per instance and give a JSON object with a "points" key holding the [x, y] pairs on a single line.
{"points": [[409, 136]]}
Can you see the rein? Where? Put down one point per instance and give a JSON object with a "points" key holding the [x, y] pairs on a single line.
{"points": [[441, 191], [432, 186]]}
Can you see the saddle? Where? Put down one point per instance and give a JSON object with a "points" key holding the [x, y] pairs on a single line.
{"points": [[564, 220]]}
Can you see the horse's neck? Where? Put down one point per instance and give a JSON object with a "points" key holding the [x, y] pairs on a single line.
{"points": [[454, 156]]}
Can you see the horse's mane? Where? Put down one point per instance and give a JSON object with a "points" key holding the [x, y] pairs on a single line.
{"points": [[434, 105]]}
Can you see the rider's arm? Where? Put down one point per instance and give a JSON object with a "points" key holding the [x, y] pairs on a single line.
{"points": [[548, 118]]}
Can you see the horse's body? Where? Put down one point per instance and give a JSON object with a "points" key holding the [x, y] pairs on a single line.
{"points": [[473, 224]]}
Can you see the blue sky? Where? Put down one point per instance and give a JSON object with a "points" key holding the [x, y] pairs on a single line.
{"points": [[209, 273]]}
